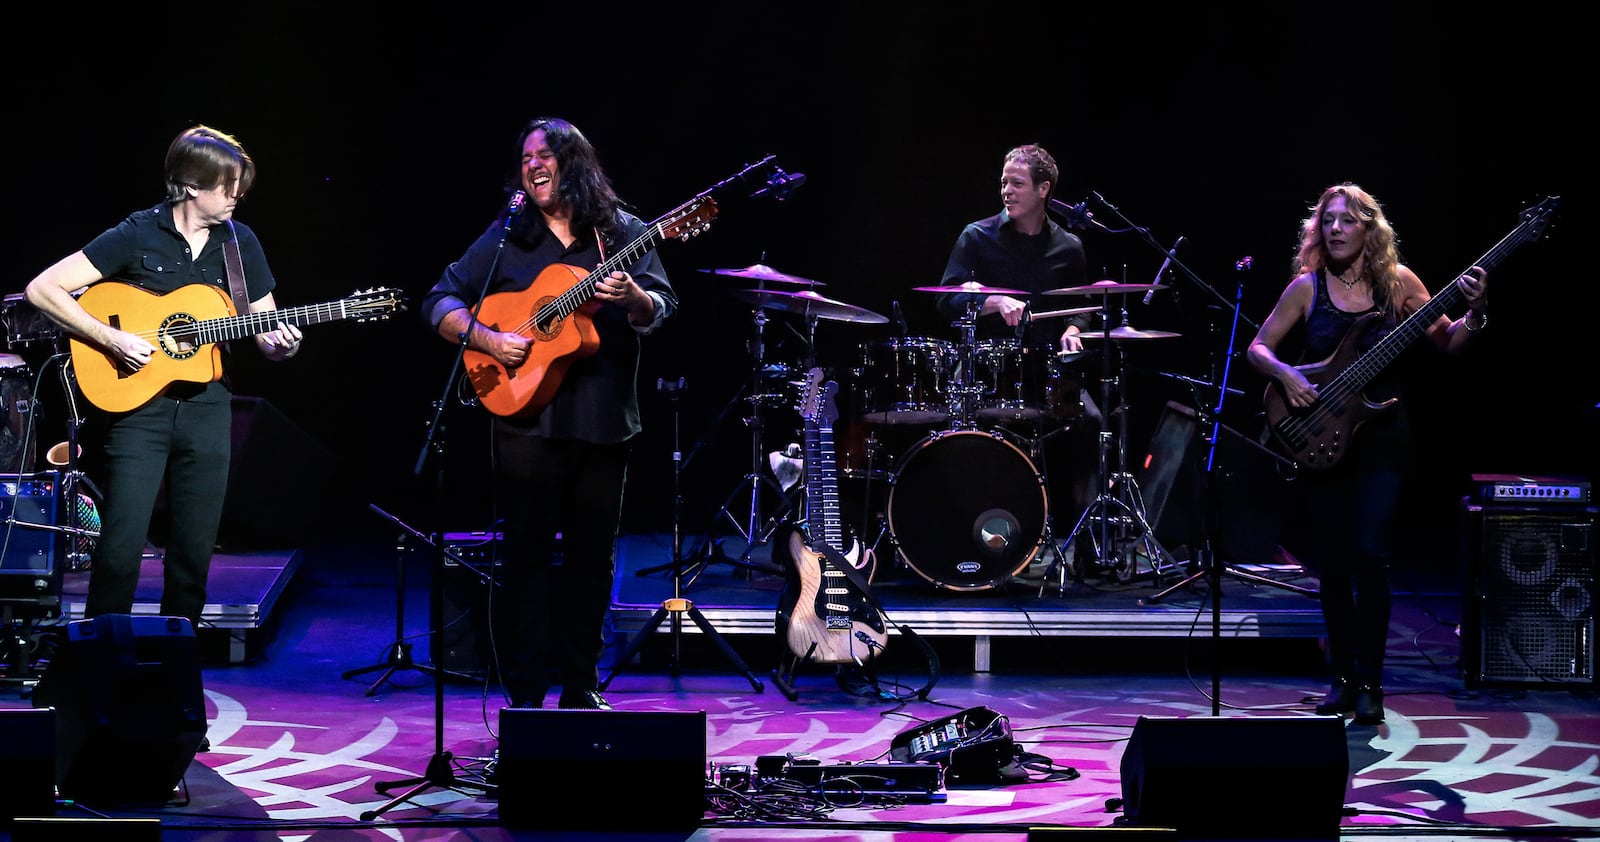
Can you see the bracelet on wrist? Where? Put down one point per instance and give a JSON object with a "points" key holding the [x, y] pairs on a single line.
{"points": [[1483, 321]]}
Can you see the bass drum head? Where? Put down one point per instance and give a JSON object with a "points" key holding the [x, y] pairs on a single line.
{"points": [[967, 510]]}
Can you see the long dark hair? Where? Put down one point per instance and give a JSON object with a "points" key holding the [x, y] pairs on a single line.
{"points": [[585, 187]]}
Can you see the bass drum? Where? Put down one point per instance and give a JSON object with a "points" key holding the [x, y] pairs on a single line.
{"points": [[967, 510]]}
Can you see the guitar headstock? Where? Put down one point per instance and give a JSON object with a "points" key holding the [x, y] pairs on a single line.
{"points": [[688, 219], [816, 399], [377, 303], [1535, 218]]}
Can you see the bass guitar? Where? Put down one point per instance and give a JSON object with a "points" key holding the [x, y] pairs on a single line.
{"points": [[557, 313], [1316, 437], [185, 325], [826, 611]]}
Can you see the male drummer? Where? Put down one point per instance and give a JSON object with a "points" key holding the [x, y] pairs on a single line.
{"points": [[1021, 249]]}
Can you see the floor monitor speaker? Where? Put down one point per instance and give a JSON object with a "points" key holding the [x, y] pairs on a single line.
{"points": [[1241, 777], [130, 711]]}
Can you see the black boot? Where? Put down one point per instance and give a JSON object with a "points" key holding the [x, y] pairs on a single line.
{"points": [[1341, 698], [1369, 704]]}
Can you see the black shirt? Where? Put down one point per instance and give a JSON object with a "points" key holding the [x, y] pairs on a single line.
{"points": [[995, 254]]}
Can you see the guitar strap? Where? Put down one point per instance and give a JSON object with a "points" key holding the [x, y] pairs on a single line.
{"points": [[236, 288]]}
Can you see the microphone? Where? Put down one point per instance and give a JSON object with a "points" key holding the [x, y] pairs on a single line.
{"points": [[1078, 216], [1244, 263], [900, 319], [514, 209], [780, 184], [1163, 269]]}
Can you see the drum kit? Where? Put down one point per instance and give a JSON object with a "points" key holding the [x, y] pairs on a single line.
{"points": [[28, 331], [967, 507]]}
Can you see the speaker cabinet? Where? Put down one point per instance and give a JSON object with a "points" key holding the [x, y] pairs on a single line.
{"points": [[30, 575], [1242, 497], [1252, 777], [554, 760], [27, 775], [1528, 620], [130, 711], [463, 643]]}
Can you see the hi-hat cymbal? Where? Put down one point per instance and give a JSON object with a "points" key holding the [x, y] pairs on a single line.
{"points": [[809, 303], [1104, 288], [762, 272], [972, 286], [1122, 333]]}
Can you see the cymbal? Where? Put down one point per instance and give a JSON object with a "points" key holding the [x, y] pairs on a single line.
{"points": [[972, 286], [1122, 333], [1104, 288], [809, 303], [762, 272]]}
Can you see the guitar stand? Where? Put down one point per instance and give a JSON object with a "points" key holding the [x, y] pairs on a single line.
{"points": [[677, 606]]}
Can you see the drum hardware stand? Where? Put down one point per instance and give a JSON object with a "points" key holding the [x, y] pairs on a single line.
{"points": [[755, 529], [1119, 500], [675, 607]]}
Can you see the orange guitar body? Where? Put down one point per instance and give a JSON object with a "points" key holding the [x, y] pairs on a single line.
{"points": [[525, 390]]}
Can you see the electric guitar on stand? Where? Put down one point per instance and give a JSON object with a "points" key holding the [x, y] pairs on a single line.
{"points": [[1316, 437], [826, 612]]}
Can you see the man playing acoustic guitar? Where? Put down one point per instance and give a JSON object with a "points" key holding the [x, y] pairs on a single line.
{"points": [[183, 433], [567, 290]]}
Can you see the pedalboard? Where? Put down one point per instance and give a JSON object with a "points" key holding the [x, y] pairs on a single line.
{"points": [[904, 782]]}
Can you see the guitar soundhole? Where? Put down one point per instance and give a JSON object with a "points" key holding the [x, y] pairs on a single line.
{"points": [[171, 345]]}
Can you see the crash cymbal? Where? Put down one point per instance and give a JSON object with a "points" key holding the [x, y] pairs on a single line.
{"points": [[809, 303], [972, 286], [1122, 333], [1104, 288], [762, 272]]}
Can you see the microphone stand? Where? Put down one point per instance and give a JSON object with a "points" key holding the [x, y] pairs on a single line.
{"points": [[1209, 565], [1169, 255], [440, 773]]}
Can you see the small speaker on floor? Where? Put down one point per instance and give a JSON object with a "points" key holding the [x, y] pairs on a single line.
{"points": [[552, 762], [1251, 777], [86, 829], [28, 772], [130, 711], [30, 544]]}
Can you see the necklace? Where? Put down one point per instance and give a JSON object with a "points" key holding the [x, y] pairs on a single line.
{"points": [[1348, 285]]}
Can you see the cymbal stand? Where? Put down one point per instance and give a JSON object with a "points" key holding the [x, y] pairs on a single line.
{"points": [[754, 529], [1115, 521]]}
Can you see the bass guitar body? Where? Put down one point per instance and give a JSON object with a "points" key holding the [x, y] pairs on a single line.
{"points": [[1317, 437]]}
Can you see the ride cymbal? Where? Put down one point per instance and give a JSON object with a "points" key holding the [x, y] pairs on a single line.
{"points": [[974, 287], [1104, 288], [762, 272], [808, 303]]}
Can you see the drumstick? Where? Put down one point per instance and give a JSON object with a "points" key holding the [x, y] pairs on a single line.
{"points": [[1072, 312]]}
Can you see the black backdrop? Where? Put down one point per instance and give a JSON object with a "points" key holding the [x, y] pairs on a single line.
{"points": [[383, 139]]}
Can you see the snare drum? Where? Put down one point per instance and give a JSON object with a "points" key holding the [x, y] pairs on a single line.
{"points": [[905, 380]]}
